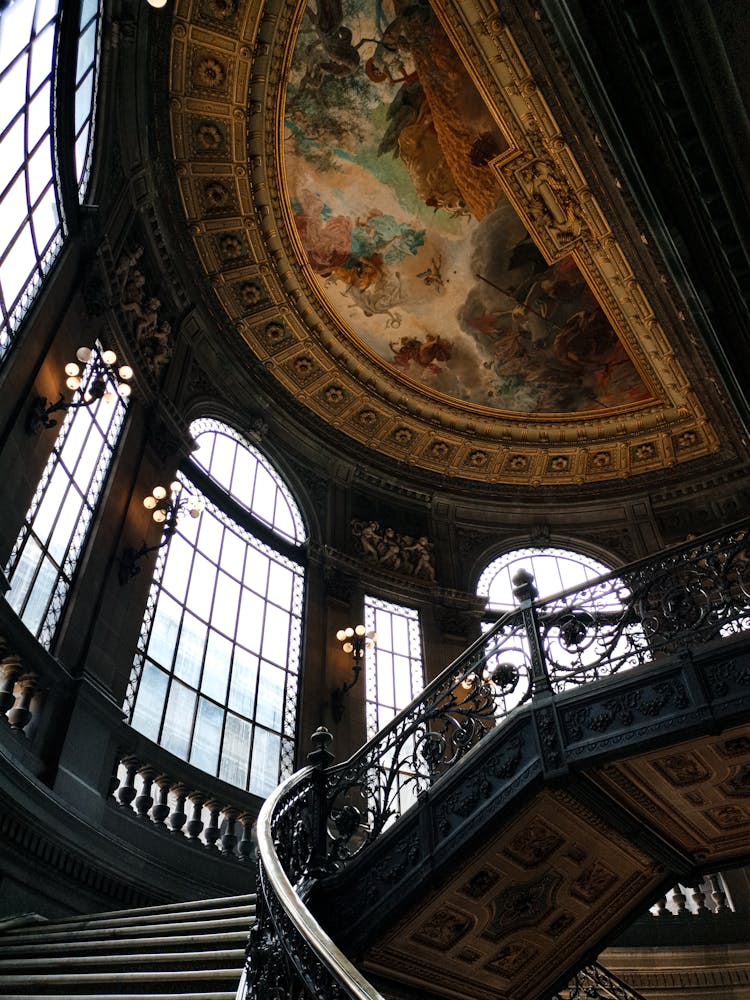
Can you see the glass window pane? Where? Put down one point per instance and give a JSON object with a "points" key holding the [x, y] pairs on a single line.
{"points": [[200, 591], [276, 635], [189, 658], [163, 639], [226, 602], [270, 696], [41, 57], [86, 50], [150, 703], [216, 667], [250, 623], [12, 88], [265, 767], [18, 19], [207, 736], [39, 168], [244, 681], [235, 756], [177, 569], [178, 720], [280, 581], [17, 267], [11, 154]]}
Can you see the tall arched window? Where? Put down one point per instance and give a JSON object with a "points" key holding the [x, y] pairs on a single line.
{"points": [[216, 672], [55, 529], [45, 142]]}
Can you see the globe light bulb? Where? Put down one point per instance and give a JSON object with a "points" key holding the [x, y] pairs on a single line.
{"points": [[109, 357], [341, 635], [350, 632], [348, 647], [108, 398], [175, 486], [149, 502], [84, 355], [157, 4], [72, 368], [159, 492], [359, 630], [124, 390], [73, 382], [159, 515], [125, 372]]}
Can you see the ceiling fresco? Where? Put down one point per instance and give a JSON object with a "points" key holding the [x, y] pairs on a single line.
{"points": [[387, 150], [395, 222]]}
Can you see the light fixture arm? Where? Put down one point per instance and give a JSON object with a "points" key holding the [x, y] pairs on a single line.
{"points": [[355, 640], [100, 375], [166, 508]]}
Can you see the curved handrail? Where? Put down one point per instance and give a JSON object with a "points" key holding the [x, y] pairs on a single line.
{"points": [[329, 957], [318, 820]]}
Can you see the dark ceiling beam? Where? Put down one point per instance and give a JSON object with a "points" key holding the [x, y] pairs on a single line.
{"points": [[661, 80]]}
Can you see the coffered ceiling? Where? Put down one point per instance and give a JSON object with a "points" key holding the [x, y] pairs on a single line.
{"points": [[414, 235]]}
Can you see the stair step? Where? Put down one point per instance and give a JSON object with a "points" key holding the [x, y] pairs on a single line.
{"points": [[175, 960], [135, 918], [206, 941], [55, 980], [212, 903], [47, 932], [228, 995]]}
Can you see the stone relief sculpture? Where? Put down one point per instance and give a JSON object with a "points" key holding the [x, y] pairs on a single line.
{"points": [[142, 312], [395, 552]]}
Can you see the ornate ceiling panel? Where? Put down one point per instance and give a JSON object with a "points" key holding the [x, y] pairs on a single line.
{"points": [[442, 288]]}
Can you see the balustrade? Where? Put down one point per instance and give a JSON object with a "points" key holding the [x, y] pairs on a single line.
{"points": [[691, 594], [166, 801]]}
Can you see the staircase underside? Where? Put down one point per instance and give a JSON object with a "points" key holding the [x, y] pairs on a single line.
{"points": [[503, 879]]}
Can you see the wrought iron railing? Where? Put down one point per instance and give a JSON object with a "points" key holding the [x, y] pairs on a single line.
{"points": [[320, 819]]}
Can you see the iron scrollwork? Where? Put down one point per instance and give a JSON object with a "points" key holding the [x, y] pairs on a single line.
{"points": [[323, 817]]}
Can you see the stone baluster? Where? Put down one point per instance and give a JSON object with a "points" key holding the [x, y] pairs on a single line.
{"points": [[212, 832], [719, 897], [178, 816], [10, 670], [699, 898], [229, 837], [661, 908], [161, 807], [195, 823], [678, 898], [246, 848], [127, 790], [19, 715], [144, 800]]}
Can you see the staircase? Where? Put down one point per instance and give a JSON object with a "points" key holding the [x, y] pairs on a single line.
{"points": [[190, 951]]}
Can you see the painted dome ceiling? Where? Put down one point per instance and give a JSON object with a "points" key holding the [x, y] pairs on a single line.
{"points": [[400, 230]]}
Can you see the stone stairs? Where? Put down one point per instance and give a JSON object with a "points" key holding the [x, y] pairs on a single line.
{"points": [[180, 951]]}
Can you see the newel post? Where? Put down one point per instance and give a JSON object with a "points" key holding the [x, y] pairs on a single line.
{"points": [[525, 593], [320, 757]]}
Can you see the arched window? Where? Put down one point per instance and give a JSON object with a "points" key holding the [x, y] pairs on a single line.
{"points": [[45, 142], [215, 674], [55, 529], [553, 570], [567, 628]]}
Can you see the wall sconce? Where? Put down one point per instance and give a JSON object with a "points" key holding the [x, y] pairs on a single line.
{"points": [[168, 507], [100, 375], [355, 640]]}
